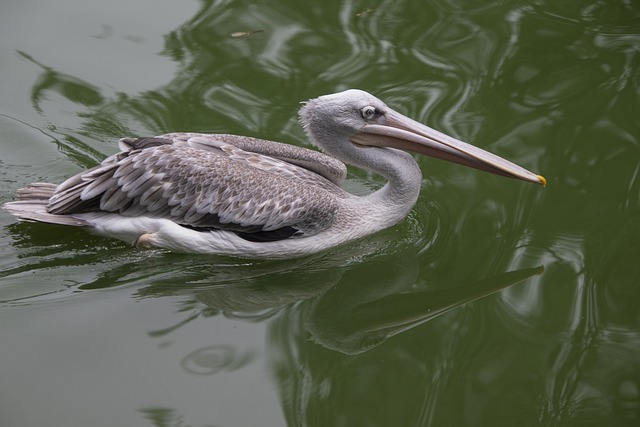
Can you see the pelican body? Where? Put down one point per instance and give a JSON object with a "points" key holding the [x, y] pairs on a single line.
{"points": [[247, 197]]}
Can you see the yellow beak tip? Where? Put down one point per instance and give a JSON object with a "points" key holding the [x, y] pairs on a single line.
{"points": [[542, 179]]}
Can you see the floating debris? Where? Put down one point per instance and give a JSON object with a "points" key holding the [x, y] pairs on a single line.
{"points": [[364, 13], [239, 34]]}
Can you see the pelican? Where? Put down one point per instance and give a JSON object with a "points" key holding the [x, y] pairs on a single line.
{"points": [[247, 197]]}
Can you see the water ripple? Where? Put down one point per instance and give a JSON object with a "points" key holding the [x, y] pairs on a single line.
{"points": [[215, 359]]}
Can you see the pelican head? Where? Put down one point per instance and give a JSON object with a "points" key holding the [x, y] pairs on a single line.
{"points": [[356, 119]]}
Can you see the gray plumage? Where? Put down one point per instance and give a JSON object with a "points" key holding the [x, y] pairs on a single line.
{"points": [[205, 181], [249, 197]]}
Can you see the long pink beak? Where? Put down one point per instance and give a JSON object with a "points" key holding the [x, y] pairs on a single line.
{"points": [[406, 134]]}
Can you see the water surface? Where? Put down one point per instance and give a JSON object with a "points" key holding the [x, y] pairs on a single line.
{"points": [[496, 303]]}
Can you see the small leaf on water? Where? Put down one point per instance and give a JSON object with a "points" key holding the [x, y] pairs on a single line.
{"points": [[238, 34]]}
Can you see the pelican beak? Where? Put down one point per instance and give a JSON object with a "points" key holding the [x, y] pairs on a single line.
{"points": [[403, 133]]}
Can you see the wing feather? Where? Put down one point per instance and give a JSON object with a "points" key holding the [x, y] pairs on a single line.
{"points": [[204, 185], [311, 164]]}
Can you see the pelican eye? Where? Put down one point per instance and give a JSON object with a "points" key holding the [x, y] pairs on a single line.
{"points": [[368, 112]]}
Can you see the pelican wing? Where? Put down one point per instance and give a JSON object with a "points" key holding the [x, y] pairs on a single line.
{"points": [[203, 183], [312, 164]]}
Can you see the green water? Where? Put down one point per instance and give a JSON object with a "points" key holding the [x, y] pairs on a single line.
{"points": [[496, 303]]}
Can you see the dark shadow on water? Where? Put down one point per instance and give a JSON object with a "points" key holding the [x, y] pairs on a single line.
{"points": [[334, 313], [348, 307]]}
